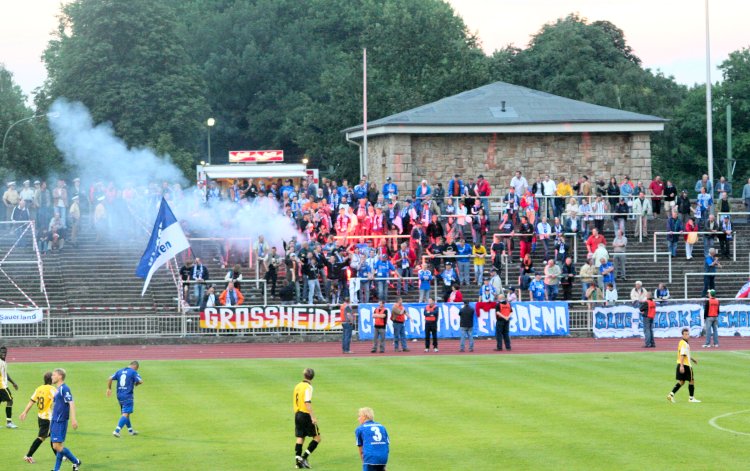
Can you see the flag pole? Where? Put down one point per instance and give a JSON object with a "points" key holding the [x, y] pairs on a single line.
{"points": [[363, 170], [709, 113]]}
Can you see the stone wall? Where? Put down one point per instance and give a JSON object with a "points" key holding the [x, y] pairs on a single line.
{"points": [[410, 158]]}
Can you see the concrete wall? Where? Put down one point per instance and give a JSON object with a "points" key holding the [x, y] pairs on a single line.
{"points": [[410, 158]]}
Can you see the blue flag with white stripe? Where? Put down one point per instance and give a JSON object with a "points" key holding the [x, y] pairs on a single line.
{"points": [[167, 240]]}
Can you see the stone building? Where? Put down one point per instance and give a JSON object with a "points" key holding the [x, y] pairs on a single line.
{"points": [[500, 128]]}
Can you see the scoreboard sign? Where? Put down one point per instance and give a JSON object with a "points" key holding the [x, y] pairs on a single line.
{"points": [[245, 156]]}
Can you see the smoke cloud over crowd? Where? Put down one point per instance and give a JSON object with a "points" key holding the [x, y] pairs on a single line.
{"points": [[100, 157]]}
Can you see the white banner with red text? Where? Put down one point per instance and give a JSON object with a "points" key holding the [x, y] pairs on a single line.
{"points": [[269, 317]]}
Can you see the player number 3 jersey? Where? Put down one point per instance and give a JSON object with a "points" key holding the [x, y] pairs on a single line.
{"points": [[373, 438]]}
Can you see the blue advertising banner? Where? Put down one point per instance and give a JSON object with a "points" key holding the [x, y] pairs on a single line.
{"points": [[624, 320], [528, 319]]}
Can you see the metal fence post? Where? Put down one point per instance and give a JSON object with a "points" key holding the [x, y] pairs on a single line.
{"points": [[670, 266], [655, 246]]}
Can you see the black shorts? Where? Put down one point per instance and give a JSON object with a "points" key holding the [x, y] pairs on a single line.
{"points": [[303, 426], [686, 376], [5, 395], [43, 427]]}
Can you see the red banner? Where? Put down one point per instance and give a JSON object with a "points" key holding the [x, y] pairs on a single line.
{"points": [[268, 317], [238, 156]]}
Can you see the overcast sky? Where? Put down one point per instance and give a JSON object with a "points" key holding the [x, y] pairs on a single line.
{"points": [[668, 35]]}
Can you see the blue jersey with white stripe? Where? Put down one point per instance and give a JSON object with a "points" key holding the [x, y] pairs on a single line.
{"points": [[373, 438], [126, 379], [62, 400]]}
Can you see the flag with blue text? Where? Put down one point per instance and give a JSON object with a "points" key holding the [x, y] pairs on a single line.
{"points": [[167, 240]]}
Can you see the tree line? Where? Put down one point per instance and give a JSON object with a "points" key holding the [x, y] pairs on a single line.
{"points": [[287, 74]]}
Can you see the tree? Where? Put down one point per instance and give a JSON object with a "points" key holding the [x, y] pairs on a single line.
{"points": [[28, 145], [123, 61]]}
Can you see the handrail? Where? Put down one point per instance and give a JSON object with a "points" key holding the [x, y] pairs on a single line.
{"points": [[734, 273], [715, 233]]}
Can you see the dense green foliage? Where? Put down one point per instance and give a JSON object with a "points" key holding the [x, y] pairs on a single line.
{"points": [[288, 74], [535, 412]]}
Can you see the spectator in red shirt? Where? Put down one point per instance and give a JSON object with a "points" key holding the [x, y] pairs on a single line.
{"points": [[484, 190], [657, 190], [594, 241]]}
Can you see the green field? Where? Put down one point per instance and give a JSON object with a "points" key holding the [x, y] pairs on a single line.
{"points": [[469, 412]]}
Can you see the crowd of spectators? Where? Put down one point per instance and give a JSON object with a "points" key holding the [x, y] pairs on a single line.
{"points": [[365, 240]]}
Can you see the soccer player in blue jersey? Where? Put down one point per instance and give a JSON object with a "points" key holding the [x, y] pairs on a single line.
{"points": [[127, 379], [372, 440], [64, 408]]}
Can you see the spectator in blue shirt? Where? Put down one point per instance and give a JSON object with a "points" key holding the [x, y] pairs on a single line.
{"points": [[456, 187], [389, 188], [449, 277], [607, 270], [425, 277], [423, 190], [463, 252], [372, 440], [383, 269], [536, 288]]}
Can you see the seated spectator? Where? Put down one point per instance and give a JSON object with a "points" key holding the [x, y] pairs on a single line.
{"points": [[610, 294], [231, 296], [661, 293], [456, 296], [537, 289], [638, 293]]}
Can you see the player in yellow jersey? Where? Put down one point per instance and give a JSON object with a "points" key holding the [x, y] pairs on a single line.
{"points": [[5, 395], [305, 422], [42, 398], [684, 368]]}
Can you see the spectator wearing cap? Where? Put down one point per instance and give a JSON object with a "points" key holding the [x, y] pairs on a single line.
{"points": [[27, 194], [390, 189], [10, 199]]}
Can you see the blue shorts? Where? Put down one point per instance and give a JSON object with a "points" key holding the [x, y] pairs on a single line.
{"points": [[57, 431], [126, 405]]}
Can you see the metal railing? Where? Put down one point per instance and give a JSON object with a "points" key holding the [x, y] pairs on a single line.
{"points": [[736, 273], [190, 283], [715, 234]]}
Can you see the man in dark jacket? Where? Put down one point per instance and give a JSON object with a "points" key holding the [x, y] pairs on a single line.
{"points": [[466, 314]]}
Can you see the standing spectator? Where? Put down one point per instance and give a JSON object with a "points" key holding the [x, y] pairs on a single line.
{"points": [[643, 212], [684, 206], [526, 271], [704, 185], [610, 294], [272, 270], [449, 277], [231, 296], [398, 317], [503, 312], [711, 319], [185, 275], [674, 227], [670, 195], [294, 274], [656, 189], [527, 234], [311, 271], [607, 272], [620, 244], [484, 191], [60, 201], [198, 276], [211, 299], [74, 214], [383, 269], [463, 254], [11, 197], [710, 265], [479, 253], [390, 189], [691, 237], [571, 216], [507, 232], [594, 241], [404, 261], [431, 317], [725, 236], [746, 199], [648, 313], [235, 275], [466, 316], [425, 277], [519, 183], [723, 186], [552, 280], [43, 204], [600, 209], [706, 202], [511, 202], [564, 191], [537, 289], [544, 231], [567, 277], [497, 252], [455, 187], [423, 190], [562, 249], [587, 277], [438, 196], [639, 293], [495, 281], [587, 215], [379, 320], [712, 228]]}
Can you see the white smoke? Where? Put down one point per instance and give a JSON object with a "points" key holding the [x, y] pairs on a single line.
{"points": [[98, 155]]}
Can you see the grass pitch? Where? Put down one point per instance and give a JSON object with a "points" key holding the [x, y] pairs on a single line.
{"points": [[443, 412]]}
